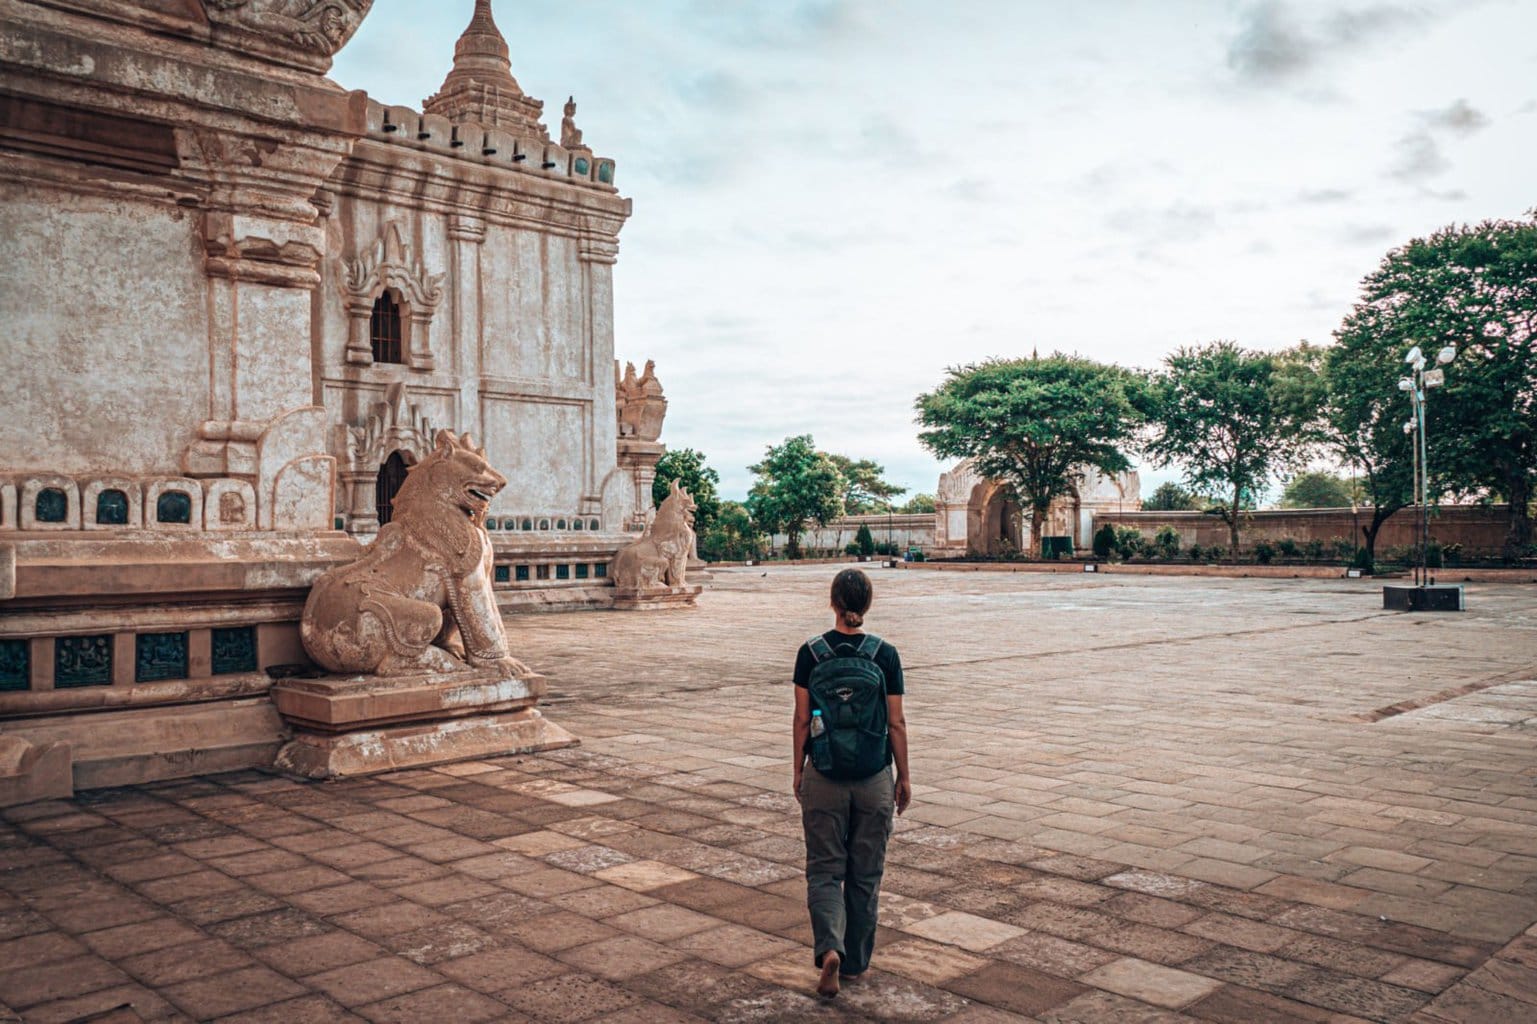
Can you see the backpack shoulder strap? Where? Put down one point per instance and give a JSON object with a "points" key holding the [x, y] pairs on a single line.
{"points": [[870, 646], [820, 649]]}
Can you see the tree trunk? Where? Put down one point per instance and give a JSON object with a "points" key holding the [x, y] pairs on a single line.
{"points": [[1232, 524], [1518, 535], [1380, 515], [1037, 524], [793, 544]]}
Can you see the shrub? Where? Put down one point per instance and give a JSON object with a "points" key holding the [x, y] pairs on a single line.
{"points": [[1166, 542], [1128, 542], [1104, 541], [1344, 549], [1196, 553], [1314, 550], [884, 548], [1453, 554], [1263, 552], [851, 548], [1288, 548], [864, 544], [1433, 553], [1362, 560], [1216, 553]]}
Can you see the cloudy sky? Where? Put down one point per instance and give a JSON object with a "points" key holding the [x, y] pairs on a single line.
{"points": [[836, 200]]}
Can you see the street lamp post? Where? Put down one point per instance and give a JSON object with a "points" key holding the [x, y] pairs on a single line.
{"points": [[1417, 385]]}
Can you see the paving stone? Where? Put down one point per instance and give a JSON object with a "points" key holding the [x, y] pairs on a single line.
{"points": [[372, 980], [621, 957], [496, 969], [568, 997], [1151, 983], [311, 1009], [217, 995], [1015, 988]]}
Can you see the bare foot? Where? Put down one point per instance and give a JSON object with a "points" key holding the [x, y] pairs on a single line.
{"points": [[827, 984]]}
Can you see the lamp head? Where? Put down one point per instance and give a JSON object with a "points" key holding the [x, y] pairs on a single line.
{"points": [[1405, 384], [1435, 378], [1409, 427], [1446, 355], [1414, 355]]}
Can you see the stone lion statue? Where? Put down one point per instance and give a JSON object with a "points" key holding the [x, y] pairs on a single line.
{"points": [[660, 556], [420, 598]]}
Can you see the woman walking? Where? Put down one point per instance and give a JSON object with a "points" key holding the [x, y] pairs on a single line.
{"points": [[849, 733]]}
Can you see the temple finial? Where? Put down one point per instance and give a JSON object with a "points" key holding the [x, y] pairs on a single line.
{"points": [[480, 87]]}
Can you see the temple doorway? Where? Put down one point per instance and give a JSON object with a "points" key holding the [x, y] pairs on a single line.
{"points": [[392, 473], [994, 523]]}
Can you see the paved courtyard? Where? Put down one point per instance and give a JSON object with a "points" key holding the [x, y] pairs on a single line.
{"points": [[1136, 799]]}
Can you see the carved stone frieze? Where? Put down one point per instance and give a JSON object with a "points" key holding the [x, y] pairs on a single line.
{"points": [[395, 424], [314, 29]]}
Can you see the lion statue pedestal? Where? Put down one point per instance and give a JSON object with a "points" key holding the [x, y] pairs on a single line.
{"points": [[650, 573], [412, 633]]}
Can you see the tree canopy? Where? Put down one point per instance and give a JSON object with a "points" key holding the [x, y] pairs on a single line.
{"points": [[732, 537], [1171, 497], [1318, 489], [918, 504], [865, 489], [796, 484], [1034, 423], [1232, 419], [1474, 288], [686, 466]]}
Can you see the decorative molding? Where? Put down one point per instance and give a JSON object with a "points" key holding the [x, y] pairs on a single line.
{"points": [[390, 265], [395, 424]]}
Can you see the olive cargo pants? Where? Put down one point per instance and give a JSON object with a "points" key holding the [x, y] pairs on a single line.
{"points": [[847, 825]]}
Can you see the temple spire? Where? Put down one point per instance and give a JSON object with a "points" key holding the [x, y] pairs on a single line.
{"points": [[480, 87]]}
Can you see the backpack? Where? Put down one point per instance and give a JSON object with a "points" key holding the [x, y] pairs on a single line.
{"points": [[850, 691]]}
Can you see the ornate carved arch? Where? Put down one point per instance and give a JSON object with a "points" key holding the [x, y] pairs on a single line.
{"points": [[391, 266]]}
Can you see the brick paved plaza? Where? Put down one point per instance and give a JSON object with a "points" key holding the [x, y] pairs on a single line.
{"points": [[1137, 799]]}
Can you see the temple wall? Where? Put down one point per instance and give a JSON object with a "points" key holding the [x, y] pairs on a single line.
{"points": [[104, 368]]}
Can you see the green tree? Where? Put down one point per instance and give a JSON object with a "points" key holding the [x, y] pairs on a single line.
{"points": [[686, 466], [732, 537], [1171, 497], [864, 488], [796, 484], [1035, 424], [863, 541], [918, 504], [1231, 419], [1474, 288], [1318, 489], [1363, 417]]}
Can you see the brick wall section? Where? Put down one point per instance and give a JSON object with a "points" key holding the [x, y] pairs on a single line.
{"points": [[1479, 529]]}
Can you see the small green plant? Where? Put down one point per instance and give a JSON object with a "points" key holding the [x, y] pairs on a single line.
{"points": [[851, 548], [863, 542], [1216, 553], [1362, 560], [1314, 550], [1264, 552], [1288, 548], [1453, 554], [1104, 541], [1433, 555], [1344, 549], [1166, 542], [1196, 552]]}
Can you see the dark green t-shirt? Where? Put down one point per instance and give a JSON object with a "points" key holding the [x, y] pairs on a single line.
{"points": [[887, 658]]}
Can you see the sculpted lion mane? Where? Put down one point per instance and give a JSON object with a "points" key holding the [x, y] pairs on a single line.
{"points": [[420, 598], [660, 556]]}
